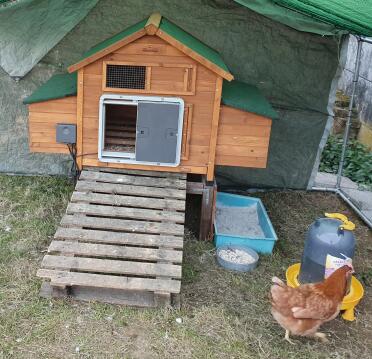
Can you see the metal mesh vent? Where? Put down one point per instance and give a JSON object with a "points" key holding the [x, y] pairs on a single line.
{"points": [[126, 77]]}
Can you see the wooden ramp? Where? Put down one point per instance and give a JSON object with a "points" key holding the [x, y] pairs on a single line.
{"points": [[120, 240]]}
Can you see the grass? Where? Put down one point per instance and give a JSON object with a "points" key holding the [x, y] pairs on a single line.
{"points": [[224, 314]]}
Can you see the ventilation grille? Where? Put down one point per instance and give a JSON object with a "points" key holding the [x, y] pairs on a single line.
{"points": [[126, 77]]}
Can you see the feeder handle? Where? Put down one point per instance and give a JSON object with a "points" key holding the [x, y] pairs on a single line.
{"points": [[346, 224]]}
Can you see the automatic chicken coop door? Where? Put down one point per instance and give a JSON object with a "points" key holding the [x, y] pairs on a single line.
{"points": [[140, 129]]}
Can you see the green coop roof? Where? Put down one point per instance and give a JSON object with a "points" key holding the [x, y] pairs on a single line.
{"points": [[164, 28], [193, 43], [247, 98], [58, 86], [114, 39]]}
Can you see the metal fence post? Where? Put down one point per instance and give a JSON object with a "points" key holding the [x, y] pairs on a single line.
{"points": [[348, 121]]}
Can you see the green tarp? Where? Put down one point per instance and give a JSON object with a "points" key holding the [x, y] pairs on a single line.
{"points": [[30, 28], [293, 69], [355, 16], [324, 17], [289, 17]]}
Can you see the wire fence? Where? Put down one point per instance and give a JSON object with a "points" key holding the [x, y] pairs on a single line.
{"points": [[358, 197]]}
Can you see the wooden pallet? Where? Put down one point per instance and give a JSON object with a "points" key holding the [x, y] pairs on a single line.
{"points": [[120, 240]]}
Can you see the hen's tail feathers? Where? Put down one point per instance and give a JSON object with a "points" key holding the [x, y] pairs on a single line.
{"points": [[278, 281]]}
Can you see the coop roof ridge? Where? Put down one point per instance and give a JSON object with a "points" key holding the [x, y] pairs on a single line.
{"points": [[159, 26], [153, 23]]}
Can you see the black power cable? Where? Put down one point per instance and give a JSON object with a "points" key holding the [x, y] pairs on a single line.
{"points": [[75, 170]]}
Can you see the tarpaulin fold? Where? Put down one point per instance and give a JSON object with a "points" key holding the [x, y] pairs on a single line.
{"points": [[29, 29], [323, 17]]}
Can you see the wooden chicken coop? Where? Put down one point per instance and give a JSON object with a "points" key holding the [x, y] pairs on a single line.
{"points": [[144, 109]]}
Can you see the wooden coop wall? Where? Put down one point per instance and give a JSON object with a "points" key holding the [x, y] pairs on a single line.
{"points": [[43, 118], [243, 139], [168, 78]]}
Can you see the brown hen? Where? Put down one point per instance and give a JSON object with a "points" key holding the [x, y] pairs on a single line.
{"points": [[302, 310]]}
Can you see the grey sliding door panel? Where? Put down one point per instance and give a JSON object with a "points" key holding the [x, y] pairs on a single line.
{"points": [[157, 132]]}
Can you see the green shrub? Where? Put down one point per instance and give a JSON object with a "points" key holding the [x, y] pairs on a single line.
{"points": [[358, 160]]}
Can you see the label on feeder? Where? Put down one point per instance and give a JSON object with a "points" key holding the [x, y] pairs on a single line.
{"points": [[333, 263]]}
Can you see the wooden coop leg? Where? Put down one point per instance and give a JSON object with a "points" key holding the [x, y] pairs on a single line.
{"points": [[207, 210]]}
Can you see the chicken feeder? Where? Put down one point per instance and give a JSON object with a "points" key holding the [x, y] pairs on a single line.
{"points": [[329, 244]]}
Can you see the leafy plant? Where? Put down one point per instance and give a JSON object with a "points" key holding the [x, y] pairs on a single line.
{"points": [[358, 160]]}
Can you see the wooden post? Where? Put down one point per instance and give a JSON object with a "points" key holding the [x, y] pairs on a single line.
{"points": [[214, 132], [79, 120], [207, 210]]}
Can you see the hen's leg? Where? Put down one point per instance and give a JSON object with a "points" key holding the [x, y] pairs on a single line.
{"points": [[286, 337], [321, 336]]}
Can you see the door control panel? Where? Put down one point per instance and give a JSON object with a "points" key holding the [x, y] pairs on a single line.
{"points": [[66, 133]]}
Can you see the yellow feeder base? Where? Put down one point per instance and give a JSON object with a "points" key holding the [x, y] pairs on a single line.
{"points": [[350, 300]]}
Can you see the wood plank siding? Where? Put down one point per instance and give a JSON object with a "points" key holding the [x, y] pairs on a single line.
{"points": [[243, 138], [43, 118]]}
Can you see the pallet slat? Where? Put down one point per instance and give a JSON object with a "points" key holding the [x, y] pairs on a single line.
{"points": [[130, 190], [114, 251], [111, 266], [94, 236], [137, 172], [133, 213], [62, 278], [128, 201], [133, 180], [125, 225]]}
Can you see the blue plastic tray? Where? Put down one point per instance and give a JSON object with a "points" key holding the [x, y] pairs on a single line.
{"points": [[263, 245]]}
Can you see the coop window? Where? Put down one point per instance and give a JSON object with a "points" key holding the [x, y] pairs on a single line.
{"points": [[126, 77], [155, 78]]}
